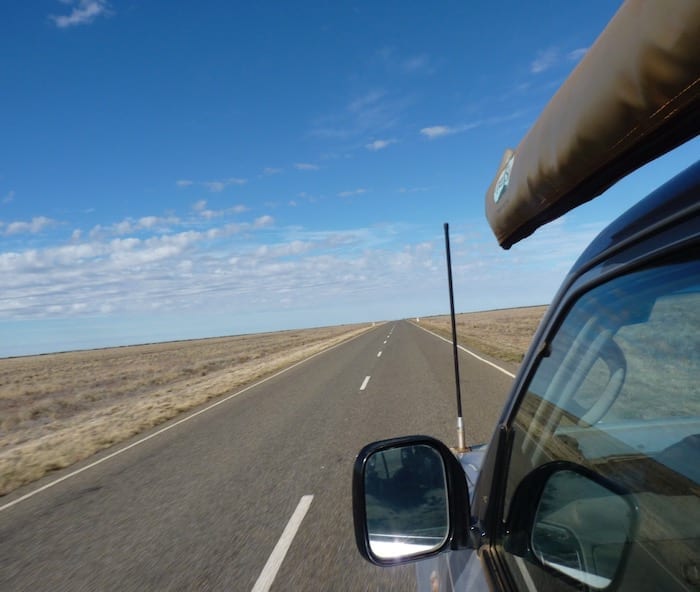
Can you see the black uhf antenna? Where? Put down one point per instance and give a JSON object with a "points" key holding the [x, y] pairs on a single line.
{"points": [[460, 420]]}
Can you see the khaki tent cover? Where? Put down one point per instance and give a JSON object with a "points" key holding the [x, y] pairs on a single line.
{"points": [[634, 96]]}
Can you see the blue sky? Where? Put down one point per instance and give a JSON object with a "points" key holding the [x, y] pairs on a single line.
{"points": [[171, 170]]}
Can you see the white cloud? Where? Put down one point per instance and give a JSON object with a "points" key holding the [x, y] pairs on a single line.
{"points": [[129, 226], [201, 208], [272, 171], [293, 248], [545, 59], [218, 186], [420, 63], [413, 189], [130, 253], [9, 197], [214, 186], [359, 191], [379, 144], [390, 59], [577, 54], [83, 13], [264, 222], [211, 214], [183, 182], [371, 114], [35, 226], [304, 166], [149, 221], [367, 100], [245, 271], [438, 131]]}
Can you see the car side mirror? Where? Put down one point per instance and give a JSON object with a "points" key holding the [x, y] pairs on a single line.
{"points": [[410, 500], [574, 522]]}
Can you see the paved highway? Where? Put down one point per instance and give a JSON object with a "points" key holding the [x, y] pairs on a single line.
{"points": [[253, 494]]}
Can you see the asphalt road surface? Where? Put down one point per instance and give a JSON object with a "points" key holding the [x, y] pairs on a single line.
{"points": [[254, 493]]}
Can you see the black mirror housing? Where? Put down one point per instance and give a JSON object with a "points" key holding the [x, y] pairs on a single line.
{"points": [[414, 490]]}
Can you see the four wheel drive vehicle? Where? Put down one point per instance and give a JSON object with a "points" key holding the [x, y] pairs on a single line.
{"points": [[591, 480]]}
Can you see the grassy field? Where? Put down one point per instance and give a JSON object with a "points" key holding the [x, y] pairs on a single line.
{"points": [[58, 409], [61, 408], [503, 334]]}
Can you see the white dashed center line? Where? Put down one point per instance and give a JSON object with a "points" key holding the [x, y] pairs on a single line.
{"points": [[364, 383], [267, 576], [379, 355]]}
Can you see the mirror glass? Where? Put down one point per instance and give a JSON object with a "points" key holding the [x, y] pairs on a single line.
{"points": [[581, 528], [406, 501]]}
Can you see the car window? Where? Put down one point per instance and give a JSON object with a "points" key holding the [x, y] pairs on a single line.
{"points": [[618, 393]]}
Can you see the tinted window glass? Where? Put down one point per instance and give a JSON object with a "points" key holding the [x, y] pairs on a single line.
{"points": [[619, 393]]}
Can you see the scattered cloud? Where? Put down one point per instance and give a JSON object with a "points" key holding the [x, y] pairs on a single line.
{"points": [[35, 226], [366, 100], [545, 59], [183, 182], [370, 114], [415, 64], [219, 186], [413, 189], [309, 198], [272, 171], [379, 145], [129, 226], [203, 211], [438, 131], [149, 221], [390, 59], [9, 197], [214, 186], [577, 54], [264, 222], [281, 250], [83, 12], [305, 166], [359, 191], [210, 214], [246, 270]]}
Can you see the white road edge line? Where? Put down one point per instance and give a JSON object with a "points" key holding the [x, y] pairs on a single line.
{"points": [[171, 426], [274, 562], [471, 353], [364, 383]]}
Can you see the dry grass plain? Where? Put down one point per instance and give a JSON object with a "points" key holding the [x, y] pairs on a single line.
{"points": [[58, 409], [502, 334]]}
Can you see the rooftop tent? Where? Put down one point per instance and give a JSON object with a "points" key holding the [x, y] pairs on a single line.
{"points": [[633, 97]]}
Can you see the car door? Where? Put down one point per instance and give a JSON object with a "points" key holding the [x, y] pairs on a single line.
{"points": [[602, 483]]}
